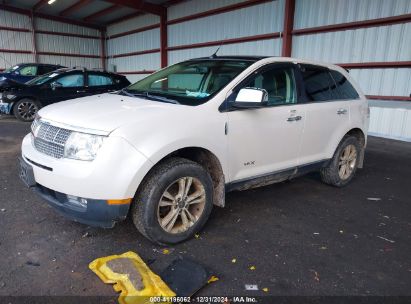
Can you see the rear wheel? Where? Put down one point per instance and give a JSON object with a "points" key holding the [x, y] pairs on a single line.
{"points": [[344, 163], [174, 201], [26, 109]]}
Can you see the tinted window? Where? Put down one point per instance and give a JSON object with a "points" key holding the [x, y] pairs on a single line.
{"points": [[95, 80], [29, 70], [319, 85], [72, 80], [345, 88], [44, 69], [279, 84]]}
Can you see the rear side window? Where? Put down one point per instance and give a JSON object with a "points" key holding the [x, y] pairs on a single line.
{"points": [[319, 85], [345, 88], [95, 80], [44, 69]]}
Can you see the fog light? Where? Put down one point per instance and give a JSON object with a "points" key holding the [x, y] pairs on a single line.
{"points": [[77, 201]]}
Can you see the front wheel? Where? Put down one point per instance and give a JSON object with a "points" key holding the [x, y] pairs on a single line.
{"points": [[26, 109], [342, 167], [173, 202]]}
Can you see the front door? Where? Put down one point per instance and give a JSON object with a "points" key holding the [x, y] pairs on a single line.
{"points": [[67, 86], [266, 140]]}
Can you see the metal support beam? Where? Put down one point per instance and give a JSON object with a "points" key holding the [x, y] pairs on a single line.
{"points": [[288, 28], [75, 7], [103, 49], [141, 6], [33, 37], [163, 40]]}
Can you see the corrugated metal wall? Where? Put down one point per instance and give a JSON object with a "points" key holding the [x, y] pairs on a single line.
{"points": [[64, 44], [265, 18], [15, 40], [143, 41], [390, 119], [47, 43]]}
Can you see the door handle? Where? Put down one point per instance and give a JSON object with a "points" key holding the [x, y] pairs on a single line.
{"points": [[341, 111], [81, 91], [294, 118]]}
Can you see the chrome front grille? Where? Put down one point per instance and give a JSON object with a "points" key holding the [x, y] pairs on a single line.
{"points": [[49, 139]]}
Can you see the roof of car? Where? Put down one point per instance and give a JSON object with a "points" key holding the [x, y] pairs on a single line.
{"points": [[32, 63], [67, 70], [244, 58]]}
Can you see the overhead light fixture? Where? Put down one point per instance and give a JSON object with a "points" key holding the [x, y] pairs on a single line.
{"points": [[51, 1]]}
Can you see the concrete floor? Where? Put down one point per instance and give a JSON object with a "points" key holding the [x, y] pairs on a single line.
{"points": [[303, 237]]}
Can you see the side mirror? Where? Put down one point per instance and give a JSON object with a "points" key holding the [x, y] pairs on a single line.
{"points": [[251, 98], [55, 85]]}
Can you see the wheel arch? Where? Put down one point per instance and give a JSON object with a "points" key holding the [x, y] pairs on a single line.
{"points": [[362, 139], [209, 161], [24, 97]]}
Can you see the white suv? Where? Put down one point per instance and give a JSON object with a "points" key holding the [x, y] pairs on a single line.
{"points": [[168, 148]]}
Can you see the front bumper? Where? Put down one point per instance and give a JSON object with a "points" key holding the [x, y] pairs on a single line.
{"points": [[5, 108], [97, 213], [113, 176]]}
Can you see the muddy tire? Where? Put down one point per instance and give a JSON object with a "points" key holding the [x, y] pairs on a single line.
{"points": [[26, 109], [173, 202], [342, 167]]}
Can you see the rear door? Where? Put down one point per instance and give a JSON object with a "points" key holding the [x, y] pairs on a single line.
{"points": [[99, 83], [266, 140], [327, 116]]}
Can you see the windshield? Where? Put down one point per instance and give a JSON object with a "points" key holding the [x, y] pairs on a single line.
{"points": [[41, 79], [9, 70], [191, 82]]}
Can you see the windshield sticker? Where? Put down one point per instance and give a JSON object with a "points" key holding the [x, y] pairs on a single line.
{"points": [[197, 94]]}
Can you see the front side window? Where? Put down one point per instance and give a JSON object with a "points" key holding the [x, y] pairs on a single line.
{"points": [[95, 80], [319, 86], [29, 70], [345, 88], [72, 80], [279, 84], [191, 82]]}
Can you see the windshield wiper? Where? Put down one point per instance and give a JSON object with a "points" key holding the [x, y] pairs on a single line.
{"points": [[147, 95]]}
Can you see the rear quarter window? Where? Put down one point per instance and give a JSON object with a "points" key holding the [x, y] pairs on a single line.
{"points": [[345, 88], [319, 85]]}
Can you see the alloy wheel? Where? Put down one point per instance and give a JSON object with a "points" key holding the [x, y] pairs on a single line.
{"points": [[346, 164], [27, 110], [181, 205]]}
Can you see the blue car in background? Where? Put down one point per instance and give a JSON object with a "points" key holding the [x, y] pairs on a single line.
{"points": [[21, 73]]}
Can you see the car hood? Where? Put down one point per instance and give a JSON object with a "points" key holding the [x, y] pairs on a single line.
{"points": [[7, 83], [106, 112]]}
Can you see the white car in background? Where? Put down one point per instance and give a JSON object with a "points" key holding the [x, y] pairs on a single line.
{"points": [[168, 148]]}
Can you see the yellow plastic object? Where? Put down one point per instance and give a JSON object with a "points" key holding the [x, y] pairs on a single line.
{"points": [[134, 288]]}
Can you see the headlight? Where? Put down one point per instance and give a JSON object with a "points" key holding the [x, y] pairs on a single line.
{"points": [[2, 78], [10, 96], [82, 146]]}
